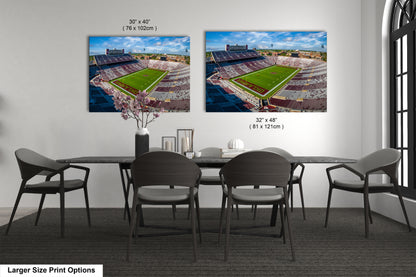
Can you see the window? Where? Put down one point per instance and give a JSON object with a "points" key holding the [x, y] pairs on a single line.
{"points": [[402, 90]]}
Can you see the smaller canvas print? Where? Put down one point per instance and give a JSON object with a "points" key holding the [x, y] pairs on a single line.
{"points": [[266, 71], [158, 65]]}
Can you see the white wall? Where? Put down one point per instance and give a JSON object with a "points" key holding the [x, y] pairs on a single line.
{"points": [[44, 87]]}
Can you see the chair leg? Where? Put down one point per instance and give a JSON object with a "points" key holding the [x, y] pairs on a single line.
{"points": [[366, 212], [42, 199], [174, 212], [62, 208], [19, 195], [301, 199], [224, 199], [282, 223], [193, 228], [87, 206], [138, 217], [273, 217], [227, 228], [238, 212], [399, 194], [254, 207], [289, 230], [327, 206], [134, 215], [291, 196], [173, 207], [369, 213], [189, 212], [198, 218], [141, 218]]}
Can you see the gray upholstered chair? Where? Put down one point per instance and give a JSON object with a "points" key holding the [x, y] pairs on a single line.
{"points": [[32, 164], [154, 170], [210, 179], [295, 179], [383, 161], [260, 168]]}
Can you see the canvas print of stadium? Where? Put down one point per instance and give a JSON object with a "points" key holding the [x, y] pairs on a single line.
{"points": [[159, 65], [266, 71]]}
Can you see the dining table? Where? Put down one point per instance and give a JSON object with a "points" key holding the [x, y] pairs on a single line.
{"points": [[124, 164]]}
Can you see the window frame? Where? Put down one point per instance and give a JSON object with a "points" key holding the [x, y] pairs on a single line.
{"points": [[403, 24]]}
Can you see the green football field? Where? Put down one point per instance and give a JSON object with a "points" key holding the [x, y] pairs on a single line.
{"points": [[145, 79], [265, 82]]}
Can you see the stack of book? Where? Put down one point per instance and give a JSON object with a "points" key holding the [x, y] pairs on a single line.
{"points": [[231, 153]]}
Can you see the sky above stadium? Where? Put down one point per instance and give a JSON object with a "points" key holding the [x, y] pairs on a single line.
{"points": [[312, 41], [154, 45]]}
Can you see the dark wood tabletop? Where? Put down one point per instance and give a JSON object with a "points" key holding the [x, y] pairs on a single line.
{"points": [[202, 161]]}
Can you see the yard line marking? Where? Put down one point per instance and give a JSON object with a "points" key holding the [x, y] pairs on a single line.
{"points": [[163, 75], [295, 72]]}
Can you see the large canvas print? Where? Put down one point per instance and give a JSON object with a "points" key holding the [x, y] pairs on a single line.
{"points": [[266, 71], [158, 65]]}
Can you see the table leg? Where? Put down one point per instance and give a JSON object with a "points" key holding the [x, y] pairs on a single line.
{"points": [[125, 183]]}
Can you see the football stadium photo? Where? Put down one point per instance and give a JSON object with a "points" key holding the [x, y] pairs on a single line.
{"points": [[266, 71], [160, 66]]}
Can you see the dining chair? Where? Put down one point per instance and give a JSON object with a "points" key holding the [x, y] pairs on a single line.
{"points": [[153, 175], [295, 179], [125, 170], [32, 164], [153, 149], [258, 168], [210, 179], [384, 161]]}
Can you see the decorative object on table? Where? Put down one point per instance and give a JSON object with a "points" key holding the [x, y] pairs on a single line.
{"points": [[185, 140], [169, 143], [235, 148], [141, 142], [236, 143], [143, 110], [190, 155]]}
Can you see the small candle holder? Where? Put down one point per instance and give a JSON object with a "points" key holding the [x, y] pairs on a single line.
{"points": [[169, 143], [185, 140]]}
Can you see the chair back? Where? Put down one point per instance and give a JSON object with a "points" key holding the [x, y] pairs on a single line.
{"points": [[32, 163], [211, 152], [164, 168], [256, 168], [279, 151], [386, 159]]}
